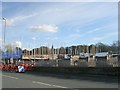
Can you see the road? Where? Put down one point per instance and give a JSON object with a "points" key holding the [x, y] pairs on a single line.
{"points": [[27, 80]]}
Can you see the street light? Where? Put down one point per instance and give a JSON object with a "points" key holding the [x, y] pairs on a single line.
{"points": [[4, 31], [4, 36], [34, 38]]}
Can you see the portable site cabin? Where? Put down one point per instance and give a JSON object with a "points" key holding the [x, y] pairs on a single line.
{"points": [[11, 57], [67, 57], [84, 56], [101, 56], [101, 59]]}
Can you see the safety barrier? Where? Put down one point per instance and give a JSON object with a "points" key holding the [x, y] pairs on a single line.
{"points": [[79, 63], [16, 67]]}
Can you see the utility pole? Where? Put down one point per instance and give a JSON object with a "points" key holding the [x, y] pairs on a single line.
{"points": [[4, 31], [52, 50]]}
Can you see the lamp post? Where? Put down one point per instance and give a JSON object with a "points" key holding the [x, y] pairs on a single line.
{"points": [[4, 32], [34, 51], [34, 48]]}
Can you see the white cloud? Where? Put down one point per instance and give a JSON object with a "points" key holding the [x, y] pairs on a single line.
{"points": [[74, 36], [105, 36], [53, 10], [1, 41], [34, 38], [81, 35], [92, 31], [10, 22], [18, 44], [25, 48], [69, 16], [52, 38], [44, 28], [13, 21]]}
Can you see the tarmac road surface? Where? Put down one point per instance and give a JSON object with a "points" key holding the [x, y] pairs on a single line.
{"points": [[27, 80]]}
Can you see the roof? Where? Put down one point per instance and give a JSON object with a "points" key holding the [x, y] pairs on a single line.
{"points": [[85, 55], [101, 54]]}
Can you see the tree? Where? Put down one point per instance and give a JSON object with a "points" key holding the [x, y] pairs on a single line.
{"points": [[102, 47], [11, 47], [114, 47]]}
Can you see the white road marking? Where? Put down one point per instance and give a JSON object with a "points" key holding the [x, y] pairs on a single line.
{"points": [[10, 77], [57, 86], [49, 84], [42, 83]]}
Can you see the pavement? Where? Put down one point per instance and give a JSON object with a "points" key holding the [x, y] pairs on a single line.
{"points": [[39, 80]]}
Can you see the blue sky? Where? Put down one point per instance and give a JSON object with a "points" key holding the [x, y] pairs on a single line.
{"points": [[60, 23]]}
